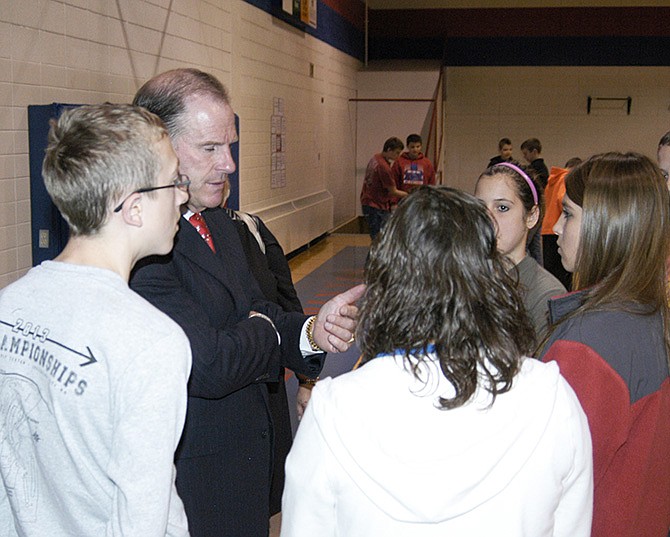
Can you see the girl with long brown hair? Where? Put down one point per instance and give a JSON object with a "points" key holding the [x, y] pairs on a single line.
{"points": [[611, 339]]}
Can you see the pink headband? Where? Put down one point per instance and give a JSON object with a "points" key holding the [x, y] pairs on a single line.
{"points": [[522, 174]]}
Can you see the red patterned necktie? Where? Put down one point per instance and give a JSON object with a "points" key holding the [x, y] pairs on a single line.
{"points": [[200, 226]]}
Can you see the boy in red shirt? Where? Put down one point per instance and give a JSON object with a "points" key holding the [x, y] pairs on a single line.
{"points": [[380, 194], [412, 168]]}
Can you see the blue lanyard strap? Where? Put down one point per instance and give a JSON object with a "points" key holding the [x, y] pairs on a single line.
{"points": [[419, 350]]}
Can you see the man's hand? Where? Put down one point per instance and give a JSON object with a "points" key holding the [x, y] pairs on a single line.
{"points": [[336, 321]]}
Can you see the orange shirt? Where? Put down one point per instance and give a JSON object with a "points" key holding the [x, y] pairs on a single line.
{"points": [[553, 199]]}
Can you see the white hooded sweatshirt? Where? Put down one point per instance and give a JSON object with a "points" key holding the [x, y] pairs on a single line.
{"points": [[376, 456]]}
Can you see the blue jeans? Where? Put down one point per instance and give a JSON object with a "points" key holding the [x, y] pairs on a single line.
{"points": [[376, 219]]}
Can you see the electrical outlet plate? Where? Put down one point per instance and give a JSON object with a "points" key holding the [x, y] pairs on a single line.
{"points": [[44, 238]]}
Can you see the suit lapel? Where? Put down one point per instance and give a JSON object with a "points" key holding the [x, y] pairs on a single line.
{"points": [[228, 265], [191, 245]]}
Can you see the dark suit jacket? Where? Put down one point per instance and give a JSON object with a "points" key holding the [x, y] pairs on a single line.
{"points": [[272, 272], [224, 457]]}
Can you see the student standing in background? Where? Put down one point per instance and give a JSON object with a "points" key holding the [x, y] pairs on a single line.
{"points": [[504, 153], [531, 150], [380, 193], [413, 168]]}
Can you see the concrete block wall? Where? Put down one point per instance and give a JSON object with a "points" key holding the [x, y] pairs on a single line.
{"points": [[89, 51], [315, 81]]}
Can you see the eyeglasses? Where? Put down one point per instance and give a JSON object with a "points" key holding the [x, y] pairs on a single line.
{"points": [[181, 182]]}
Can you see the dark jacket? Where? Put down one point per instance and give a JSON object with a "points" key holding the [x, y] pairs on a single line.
{"points": [[542, 171], [224, 457], [271, 270]]}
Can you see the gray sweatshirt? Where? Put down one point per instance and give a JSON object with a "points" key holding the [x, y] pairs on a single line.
{"points": [[92, 405]]}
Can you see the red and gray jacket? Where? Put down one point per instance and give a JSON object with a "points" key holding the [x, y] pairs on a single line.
{"points": [[616, 361]]}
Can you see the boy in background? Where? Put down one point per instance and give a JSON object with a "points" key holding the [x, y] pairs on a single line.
{"points": [[531, 150], [380, 193], [412, 168], [504, 153]]}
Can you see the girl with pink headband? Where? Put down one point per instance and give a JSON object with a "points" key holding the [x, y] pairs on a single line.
{"points": [[514, 200]]}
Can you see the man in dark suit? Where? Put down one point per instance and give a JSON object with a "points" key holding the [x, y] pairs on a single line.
{"points": [[239, 340]]}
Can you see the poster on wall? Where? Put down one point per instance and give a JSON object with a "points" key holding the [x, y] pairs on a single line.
{"points": [[308, 12], [304, 10], [278, 144]]}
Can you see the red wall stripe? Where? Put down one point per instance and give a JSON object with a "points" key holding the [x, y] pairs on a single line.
{"points": [[352, 10]]}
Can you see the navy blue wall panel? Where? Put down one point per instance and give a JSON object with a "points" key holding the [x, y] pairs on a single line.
{"points": [[44, 214]]}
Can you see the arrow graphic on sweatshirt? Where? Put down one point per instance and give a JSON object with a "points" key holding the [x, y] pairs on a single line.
{"points": [[90, 358]]}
